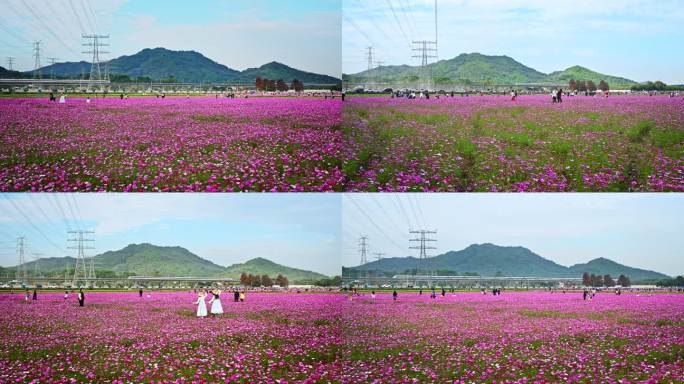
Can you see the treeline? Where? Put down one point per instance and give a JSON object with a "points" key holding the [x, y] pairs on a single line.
{"points": [[676, 282], [333, 282], [267, 85], [656, 86], [587, 86], [604, 281], [249, 280]]}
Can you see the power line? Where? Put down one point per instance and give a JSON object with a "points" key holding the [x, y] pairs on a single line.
{"points": [[396, 19], [377, 227], [47, 27], [30, 222], [78, 19]]}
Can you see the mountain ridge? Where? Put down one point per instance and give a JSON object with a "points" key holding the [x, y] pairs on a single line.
{"points": [[514, 261], [188, 66], [146, 259], [477, 68]]}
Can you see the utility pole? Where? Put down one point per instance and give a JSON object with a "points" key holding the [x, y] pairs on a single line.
{"points": [[36, 56], [81, 270], [21, 266], [95, 44], [423, 245], [10, 61], [52, 65]]}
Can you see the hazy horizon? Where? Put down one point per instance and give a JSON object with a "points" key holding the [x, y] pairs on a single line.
{"points": [[565, 228], [223, 228], [238, 34], [635, 39]]}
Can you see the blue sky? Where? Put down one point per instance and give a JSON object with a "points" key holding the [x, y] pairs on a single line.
{"points": [[637, 39], [238, 33], [639, 230], [297, 230]]}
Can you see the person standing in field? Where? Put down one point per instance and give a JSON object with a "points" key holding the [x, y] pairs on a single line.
{"points": [[81, 298], [215, 301], [373, 295], [394, 295], [236, 296], [27, 295], [35, 294], [140, 292], [66, 295], [201, 304], [559, 95], [242, 296]]}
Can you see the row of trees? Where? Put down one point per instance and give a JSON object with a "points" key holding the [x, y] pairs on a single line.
{"points": [[279, 85], [333, 282], [676, 282], [587, 86], [249, 280], [604, 281], [656, 86]]}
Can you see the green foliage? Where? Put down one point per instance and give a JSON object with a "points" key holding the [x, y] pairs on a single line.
{"points": [[639, 131]]}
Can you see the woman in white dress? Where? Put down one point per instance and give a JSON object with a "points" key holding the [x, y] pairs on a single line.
{"points": [[201, 304], [215, 301]]}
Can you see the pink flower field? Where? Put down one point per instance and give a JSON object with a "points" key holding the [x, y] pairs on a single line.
{"points": [[172, 144], [122, 338], [515, 338], [489, 143], [532, 337]]}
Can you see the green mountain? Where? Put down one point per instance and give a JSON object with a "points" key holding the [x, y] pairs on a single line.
{"points": [[598, 266], [261, 266], [186, 66], [7, 74], [476, 68], [151, 260], [581, 73], [492, 260]]}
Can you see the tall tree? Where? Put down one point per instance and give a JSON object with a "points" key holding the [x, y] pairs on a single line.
{"points": [[244, 279], [572, 85], [623, 281], [591, 87], [259, 83], [281, 86], [608, 281], [603, 86], [586, 279], [266, 281]]}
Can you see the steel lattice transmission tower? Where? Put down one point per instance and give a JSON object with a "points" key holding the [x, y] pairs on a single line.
{"points": [[21, 267], [36, 57], [36, 264], [52, 61], [379, 256], [426, 50], [423, 245], [10, 62], [363, 249], [83, 271], [95, 44]]}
